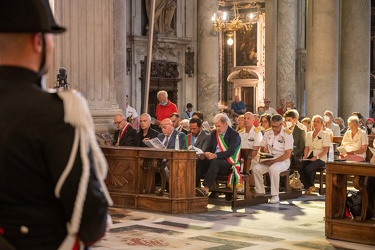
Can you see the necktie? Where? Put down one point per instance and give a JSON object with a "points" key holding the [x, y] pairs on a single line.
{"points": [[166, 140]]}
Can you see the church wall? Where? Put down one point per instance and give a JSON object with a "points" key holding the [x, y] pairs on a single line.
{"points": [[166, 47]]}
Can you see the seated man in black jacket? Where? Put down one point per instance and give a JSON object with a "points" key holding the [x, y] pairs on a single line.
{"points": [[146, 132], [125, 135]]}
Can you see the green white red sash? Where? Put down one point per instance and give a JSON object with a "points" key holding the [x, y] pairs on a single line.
{"points": [[189, 141], [235, 177]]}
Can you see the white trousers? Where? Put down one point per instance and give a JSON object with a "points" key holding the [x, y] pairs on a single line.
{"points": [[274, 171]]}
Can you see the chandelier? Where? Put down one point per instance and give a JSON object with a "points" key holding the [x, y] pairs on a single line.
{"points": [[221, 22]]}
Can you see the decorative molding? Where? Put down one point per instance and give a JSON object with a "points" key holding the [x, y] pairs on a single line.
{"points": [[162, 69]]}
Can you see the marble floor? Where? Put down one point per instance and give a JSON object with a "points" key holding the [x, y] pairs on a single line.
{"points": [[292, 224]]}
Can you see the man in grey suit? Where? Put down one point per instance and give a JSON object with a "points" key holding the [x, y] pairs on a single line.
{"points": [[169, 133], [200, 139]]}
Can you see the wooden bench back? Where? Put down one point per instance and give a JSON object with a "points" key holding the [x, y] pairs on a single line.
{"points": [[246, 156]]}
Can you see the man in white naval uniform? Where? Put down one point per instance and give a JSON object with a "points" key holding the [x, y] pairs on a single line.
{"points": [[251, 137], [278, 142]]}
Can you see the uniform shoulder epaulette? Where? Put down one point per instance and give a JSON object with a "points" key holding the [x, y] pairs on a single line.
{"points": [[268, 129], [257, 130], [241, 130], [287, 131]]}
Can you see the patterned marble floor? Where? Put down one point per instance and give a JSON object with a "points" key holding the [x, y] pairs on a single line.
{"points": [[292, 224]]}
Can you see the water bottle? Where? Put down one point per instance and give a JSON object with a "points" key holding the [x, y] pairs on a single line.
{"points": [[177, 143], [331, 153]]}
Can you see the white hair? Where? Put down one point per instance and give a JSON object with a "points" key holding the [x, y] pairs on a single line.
{"points": [[185, 122], [221, 117], [147, 115], [354, 119], [162, 92]]}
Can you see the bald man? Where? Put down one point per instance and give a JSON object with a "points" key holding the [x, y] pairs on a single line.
{"points": [[169, 133]]}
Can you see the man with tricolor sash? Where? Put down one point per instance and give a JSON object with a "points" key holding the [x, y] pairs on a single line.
{"points": [[224, 155], [279, 143], [198, 138]]}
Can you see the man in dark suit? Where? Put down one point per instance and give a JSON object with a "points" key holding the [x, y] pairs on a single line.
{"points": [[299, 135], [125, 135], [198, 138], [169, 134], [217, 156]]}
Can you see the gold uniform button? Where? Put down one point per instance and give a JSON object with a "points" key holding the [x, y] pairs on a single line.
{"points": [[24, 230]]}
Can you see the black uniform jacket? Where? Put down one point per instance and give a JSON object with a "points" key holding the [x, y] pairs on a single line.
{"points": [[35, 145]]}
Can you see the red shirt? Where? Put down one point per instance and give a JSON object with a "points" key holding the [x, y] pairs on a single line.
{"points": [[163, 112], [280, 111]]}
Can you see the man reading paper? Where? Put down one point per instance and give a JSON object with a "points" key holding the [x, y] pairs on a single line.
{"points": [[279, 143], [198, 138]]}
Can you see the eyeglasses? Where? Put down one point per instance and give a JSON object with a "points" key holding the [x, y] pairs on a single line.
{"points": [[267, 102], [117, 123], [278, 126]]}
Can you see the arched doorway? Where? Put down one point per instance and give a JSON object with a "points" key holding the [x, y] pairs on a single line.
{"points": [[246, 84]]}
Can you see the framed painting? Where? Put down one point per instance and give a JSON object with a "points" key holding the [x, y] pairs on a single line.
{"points": [[246, 49]]}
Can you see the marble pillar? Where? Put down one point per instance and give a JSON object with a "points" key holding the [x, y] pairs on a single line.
{"points": [[355, 57], [300, 103], [286, 50], [322, 56], [87, 51], [271, 52], [119, 27], [208, 60]]}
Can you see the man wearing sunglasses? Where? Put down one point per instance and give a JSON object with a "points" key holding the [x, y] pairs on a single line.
{"points": [[267, 108]]}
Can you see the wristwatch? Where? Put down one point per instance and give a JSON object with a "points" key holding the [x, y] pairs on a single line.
{"points": [[215, 156]]}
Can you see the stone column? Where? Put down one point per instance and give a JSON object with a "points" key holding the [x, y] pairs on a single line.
{"points": [[208, 66], [300, 102], [355, 57], [271, 52], [119, 41], [87, 51], [322, 56], [286, 50]]}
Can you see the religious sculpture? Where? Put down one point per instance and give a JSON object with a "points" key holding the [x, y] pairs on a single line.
{"points": [[164, 13]]}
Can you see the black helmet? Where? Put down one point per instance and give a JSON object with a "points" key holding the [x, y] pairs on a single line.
{"points": [[27, 16]]}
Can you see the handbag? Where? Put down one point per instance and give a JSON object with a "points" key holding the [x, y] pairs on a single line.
{"points": [[354, 204], [294, 181]]}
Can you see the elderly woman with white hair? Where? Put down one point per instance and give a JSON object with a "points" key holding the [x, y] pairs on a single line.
{"points": [[354, 142]]}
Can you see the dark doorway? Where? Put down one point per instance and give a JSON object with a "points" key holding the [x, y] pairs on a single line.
{"points": [[248, 97]]}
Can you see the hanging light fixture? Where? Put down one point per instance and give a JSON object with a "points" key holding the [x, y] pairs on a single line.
{"points": [[230, 39], [221, 21]]}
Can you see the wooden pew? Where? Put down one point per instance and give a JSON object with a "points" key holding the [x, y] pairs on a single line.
{"points": [[338, 140], [336, 225], [247, 192], [130, 179]]}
